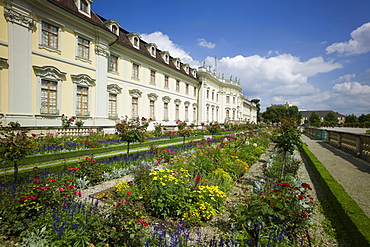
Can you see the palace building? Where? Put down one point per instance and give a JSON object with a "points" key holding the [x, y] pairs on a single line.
{"points": [[59, 57]]}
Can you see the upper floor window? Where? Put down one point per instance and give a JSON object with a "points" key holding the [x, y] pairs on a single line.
{"points": [[177, 86], [136, 42], [227, 99], [217, 97], [113, 63], [83, 48], [207, 93], [49, 35], [234, 100], [166, 81], [135, 71], [114, 29], [152, 77], [195, 92], [84, 6], [187, 89], [213, 95]]}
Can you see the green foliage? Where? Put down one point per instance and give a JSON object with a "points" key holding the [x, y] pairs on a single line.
{"points": [[213, 128], [67, 122], [364, 118], [79, 123], [314, 119], [89, 167], [14, 125], [351, 118], [258, 105], [331, 117], [14, 146]]}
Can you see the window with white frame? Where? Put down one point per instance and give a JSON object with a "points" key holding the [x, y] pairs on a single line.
{"points": [[213, 95], [186, 113], [135, 71], [152, 77], [166, 81], [113, 63], [135, 107], [227, 114], [207, 114], [49, 35], [83, 48], [194, 113], [177, 86], [187, 89], [177, 112], [207, 93], [217, 97], [234, 100], [217, 114], [49, 92], [213, 114], [165, 111], [152, 109], [112, 110], [195, 92], [227, 99], [82, 103]]}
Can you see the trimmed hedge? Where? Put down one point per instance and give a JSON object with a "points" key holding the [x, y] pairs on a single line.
{"points": [[36, 159], [354, 219]]}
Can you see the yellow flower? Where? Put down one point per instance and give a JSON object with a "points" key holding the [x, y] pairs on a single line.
{"points": [[163, 183], [155, 178]]}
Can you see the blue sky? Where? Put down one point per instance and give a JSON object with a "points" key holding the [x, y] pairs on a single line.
{"points": [[314, 54]]}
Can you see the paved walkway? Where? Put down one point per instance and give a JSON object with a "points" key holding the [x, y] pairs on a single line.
{"points": [[351, 172]]}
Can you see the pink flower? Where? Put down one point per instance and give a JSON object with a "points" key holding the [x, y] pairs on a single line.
{"points": [[87, 158], [51, 180], [61, 189], [129, 193], [124, 201], [73, 169]]}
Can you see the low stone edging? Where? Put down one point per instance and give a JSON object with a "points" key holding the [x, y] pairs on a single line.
{"points": [[352, 216]]}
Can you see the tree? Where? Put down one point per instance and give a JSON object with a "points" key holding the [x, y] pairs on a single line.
{"points": [[364, 118], [14, 146], [330, 117], [314, 119], [288, 139], [274, 114], [258, 105], [132, 130], [351, 118], [294, 113]]}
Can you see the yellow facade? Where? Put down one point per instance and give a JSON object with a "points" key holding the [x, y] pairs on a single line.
{"points": [[55, 60]]}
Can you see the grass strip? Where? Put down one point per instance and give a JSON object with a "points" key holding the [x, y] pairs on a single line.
{"points": [[352, 216]]}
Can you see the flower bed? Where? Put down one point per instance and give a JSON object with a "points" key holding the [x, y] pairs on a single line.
{"points": [[189, 188]]}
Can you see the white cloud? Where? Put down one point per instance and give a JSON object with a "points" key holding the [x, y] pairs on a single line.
{"points": [[165, 44], [359, 44], [352, 88], [204, 43], [345, 78]]}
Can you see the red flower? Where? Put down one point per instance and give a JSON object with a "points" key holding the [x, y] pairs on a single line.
{"points": [[272, 206], [307, 186], [304, 215], [87, 158], [129, 193], [300, 197], [197, 180], [51, 180], [61, 189], [124, 201], [280, 180]]}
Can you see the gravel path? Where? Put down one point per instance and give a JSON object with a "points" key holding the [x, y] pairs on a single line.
{"points": [[351, 172]]}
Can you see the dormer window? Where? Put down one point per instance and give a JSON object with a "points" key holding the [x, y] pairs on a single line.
{"points": [[152, 48], [134, 39], [186, 68], [193, 72], [113, 26], [84, 6], [166, 56], [177, 62]]}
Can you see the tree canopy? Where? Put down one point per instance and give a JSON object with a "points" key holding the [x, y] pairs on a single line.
{"points": [[314, 119], [275, 114], [351, 118], [330, 117]]}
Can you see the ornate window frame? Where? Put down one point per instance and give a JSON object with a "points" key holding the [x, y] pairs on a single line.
{"points": [[49, 73]]}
